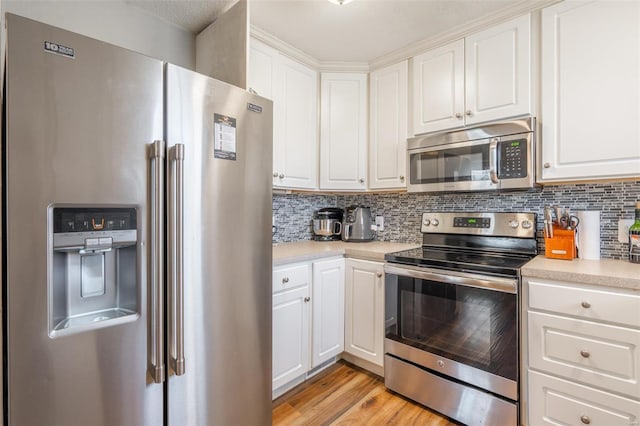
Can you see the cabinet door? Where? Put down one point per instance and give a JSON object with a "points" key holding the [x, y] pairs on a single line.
{"points": [[328, 310], [343, 132], [590, 85], [388, 127], [290, 335], [498, 72], [554, 401], [364, 310], [296, 131], [438, 89], [262, 74]]}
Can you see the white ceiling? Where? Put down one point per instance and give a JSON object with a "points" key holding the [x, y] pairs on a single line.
{"points": [[360, 31]]}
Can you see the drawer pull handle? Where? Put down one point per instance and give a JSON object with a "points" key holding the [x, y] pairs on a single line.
{"points": [[285, 280], [307, 299], [585, 419], [586, 305], [585, 354]]}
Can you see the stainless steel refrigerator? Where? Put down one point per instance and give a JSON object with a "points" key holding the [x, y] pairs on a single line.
{"points": [[136, 239]]}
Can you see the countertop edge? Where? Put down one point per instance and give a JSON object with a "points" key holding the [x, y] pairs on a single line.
{"points": [[604, 272]]}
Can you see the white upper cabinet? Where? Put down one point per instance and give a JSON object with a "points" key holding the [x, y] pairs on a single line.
{"points": [[293, 88], [343, 131], [438, 88], [388, 121], [485, 77], [498, 72], [590, 89]]}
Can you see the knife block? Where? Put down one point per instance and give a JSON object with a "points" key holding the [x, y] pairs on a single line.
{"points": [[562, 245]]}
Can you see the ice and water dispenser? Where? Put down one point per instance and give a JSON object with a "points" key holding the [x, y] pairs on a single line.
{"points": [[93, 276]]}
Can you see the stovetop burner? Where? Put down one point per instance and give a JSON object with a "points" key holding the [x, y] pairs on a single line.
{"points": [[461, 260], [488, 243]]}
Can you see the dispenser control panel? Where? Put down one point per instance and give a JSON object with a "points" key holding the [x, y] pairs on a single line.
{"points": [[74, 219]]}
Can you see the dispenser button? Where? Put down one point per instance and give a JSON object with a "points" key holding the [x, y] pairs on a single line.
{"points": [[91, 242], [106, 241]]}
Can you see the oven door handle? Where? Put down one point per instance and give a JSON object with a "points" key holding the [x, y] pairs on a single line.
{"points": [[504, 285]]}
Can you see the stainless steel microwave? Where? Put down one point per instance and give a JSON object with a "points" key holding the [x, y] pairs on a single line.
{"points": [[493, 156]]}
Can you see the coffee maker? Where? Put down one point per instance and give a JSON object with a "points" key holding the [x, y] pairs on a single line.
{"points": [[327, 224], [358, 224]]}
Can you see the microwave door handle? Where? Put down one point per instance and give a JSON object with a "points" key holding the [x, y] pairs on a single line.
{"points": [[493, 160]]}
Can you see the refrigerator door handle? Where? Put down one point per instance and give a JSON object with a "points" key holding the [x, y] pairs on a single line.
{"points": [[156, 361], [177, 276]]}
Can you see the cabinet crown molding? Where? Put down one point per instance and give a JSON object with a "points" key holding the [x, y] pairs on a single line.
{"points": [[412, 49]]}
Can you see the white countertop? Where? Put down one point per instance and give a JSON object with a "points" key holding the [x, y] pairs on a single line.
{"points": [[301, 251], [604, 272]]}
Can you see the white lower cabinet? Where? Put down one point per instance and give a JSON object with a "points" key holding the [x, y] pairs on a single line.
{"points": [[308, 317], [328, 310], [554, 401], [583, 354], [291, 339], [364, 310]]}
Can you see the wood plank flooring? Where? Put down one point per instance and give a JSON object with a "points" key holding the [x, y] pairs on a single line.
{"points": [[344, 394]]}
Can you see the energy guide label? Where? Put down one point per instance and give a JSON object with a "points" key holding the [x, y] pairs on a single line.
{"points": [[224, 139]]}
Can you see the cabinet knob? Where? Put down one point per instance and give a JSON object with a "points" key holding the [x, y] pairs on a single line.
{"points": [[379, 274], [586, 305], [285, 280], [307, 299], [440, 363], [459, 115], [275, 174], [281, 176], [585, 419], [361, 180], [585, 354], [402, 178], [469, 113], [546, 165]]}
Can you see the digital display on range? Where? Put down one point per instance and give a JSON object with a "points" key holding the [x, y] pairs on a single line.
{"points": [[472, 222]]}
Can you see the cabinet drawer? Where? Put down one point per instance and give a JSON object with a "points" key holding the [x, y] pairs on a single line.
{"points": [[602, 355], [290, 276], [554, 401], [589, 303]]}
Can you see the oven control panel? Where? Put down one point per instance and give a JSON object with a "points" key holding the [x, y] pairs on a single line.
{"points": [[520, 225], [471, 222]]}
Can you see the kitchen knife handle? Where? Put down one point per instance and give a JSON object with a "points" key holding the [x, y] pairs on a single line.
{"points": [[156, 362], [177, 356]]}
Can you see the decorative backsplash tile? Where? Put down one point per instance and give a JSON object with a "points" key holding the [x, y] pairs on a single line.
{"points": [[402, 211]]}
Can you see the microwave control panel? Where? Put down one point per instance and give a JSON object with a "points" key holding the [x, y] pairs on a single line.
{"points": [[512, 159]]}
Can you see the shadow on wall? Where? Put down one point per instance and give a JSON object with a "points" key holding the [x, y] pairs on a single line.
{"points": [[402, 211]]}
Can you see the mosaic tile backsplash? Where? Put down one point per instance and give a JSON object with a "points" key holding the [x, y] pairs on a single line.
{"points": [[402, 211]]}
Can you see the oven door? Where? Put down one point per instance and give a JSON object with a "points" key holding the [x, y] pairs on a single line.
{"points": [[458, 324], [463, 166]]}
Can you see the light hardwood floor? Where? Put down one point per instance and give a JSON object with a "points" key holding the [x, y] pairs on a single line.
{"points": [[344, 394]]}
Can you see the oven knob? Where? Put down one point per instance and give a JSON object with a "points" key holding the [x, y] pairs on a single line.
{"points": [[526, 224], [513, 223], [435, 222], [426, 221]]}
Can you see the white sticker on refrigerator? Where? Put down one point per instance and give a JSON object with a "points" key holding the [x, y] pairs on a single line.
{"points": [[224, 139]]}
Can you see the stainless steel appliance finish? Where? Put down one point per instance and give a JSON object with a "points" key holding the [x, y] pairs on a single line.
{"points": [[327, 224], [452, 315], [467, 405], [357, 225], [80, 129], [493, 156]]}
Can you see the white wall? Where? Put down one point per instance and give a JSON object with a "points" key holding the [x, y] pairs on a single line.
{"points": [[112, 21]]}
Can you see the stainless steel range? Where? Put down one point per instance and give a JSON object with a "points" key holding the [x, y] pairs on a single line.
{"points": [[452, 315]]}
